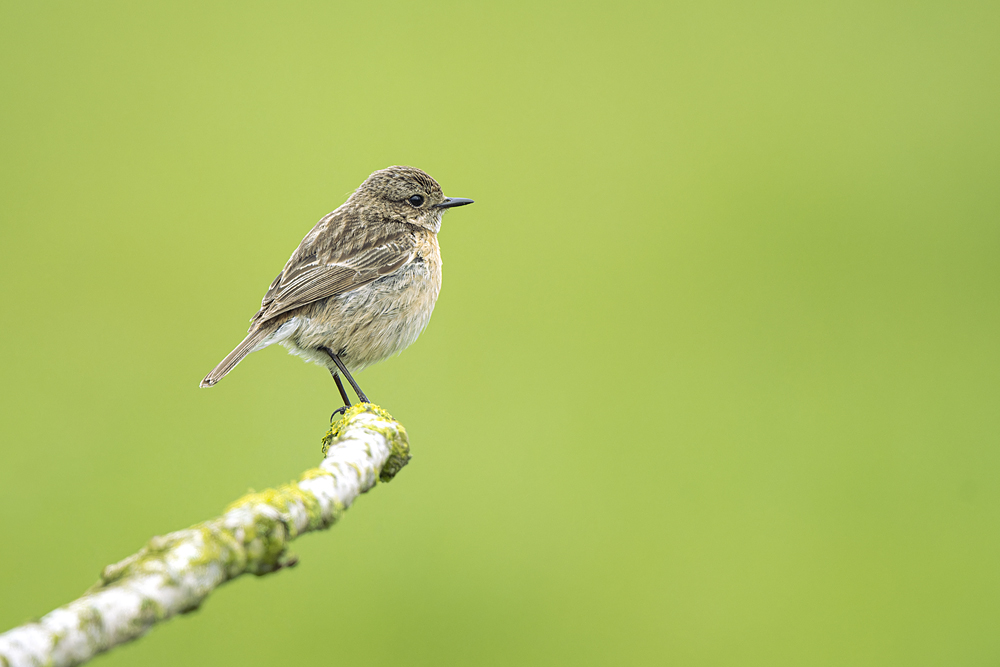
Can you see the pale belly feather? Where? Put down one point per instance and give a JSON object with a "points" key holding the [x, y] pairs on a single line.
{"points": [[368, 324]]}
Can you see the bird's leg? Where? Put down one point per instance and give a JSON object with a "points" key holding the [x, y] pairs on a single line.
{"points": [[347, 374], [340, 388], [343, 395]]}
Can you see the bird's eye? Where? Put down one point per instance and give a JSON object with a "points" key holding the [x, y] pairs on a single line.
{"points": [[416, 200]]}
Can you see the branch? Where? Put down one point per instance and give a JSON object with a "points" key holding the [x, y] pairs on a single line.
{"points": [[174, 573]]}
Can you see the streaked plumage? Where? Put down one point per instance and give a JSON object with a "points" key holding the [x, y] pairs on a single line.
{"points": [[362, 283]]}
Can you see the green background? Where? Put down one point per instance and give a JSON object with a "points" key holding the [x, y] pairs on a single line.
{"points": [[713, 378]]}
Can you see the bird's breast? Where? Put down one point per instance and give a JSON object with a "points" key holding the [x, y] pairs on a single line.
{"points": [[381, 318]]}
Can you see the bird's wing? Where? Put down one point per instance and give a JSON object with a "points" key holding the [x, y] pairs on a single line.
{"points": [[307, 277]]}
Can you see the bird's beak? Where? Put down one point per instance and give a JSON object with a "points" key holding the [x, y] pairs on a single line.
{"points": [[451, 202]]}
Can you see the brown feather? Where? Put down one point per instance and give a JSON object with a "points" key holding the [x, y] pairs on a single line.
{"points": [[303, 283], [235, 357]]}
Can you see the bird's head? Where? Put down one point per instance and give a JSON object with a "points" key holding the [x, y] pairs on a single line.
{"points": [[405, 194]]}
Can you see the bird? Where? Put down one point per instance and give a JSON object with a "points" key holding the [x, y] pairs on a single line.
{"points": [[362, 284]]}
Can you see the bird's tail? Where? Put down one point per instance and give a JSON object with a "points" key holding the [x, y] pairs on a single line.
{"points": [[248, 345]]}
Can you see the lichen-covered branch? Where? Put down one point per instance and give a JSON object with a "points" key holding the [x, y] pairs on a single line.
{"points": [[174, 573]]}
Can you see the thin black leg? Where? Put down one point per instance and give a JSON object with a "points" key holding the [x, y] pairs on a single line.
{"points": [[340, 388], [343, 395], [347, 374]]}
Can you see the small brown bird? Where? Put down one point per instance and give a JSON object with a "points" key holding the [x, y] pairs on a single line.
{"points": [[362, 284]]}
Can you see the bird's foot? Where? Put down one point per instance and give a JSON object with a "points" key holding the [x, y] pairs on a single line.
{"points": [[339, 411]]}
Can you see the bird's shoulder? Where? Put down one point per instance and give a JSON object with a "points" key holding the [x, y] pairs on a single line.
{"points": [[342, 252]]}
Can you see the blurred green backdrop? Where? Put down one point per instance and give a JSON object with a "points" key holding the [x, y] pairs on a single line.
{"points": [[713, 379]]}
